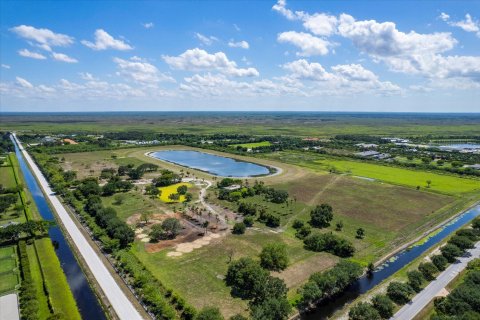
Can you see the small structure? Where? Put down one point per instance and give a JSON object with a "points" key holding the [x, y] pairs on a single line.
{"points": [[473, 166], [69, 141], [9, 307], [366, 154], [367, 145], [233, 187]]}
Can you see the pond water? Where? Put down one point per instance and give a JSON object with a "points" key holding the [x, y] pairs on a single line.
{"points": [[87, 302], [213, 164], [362, 285]]}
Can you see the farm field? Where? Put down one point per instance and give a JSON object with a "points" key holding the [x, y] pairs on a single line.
{"points": [[390, 213], [9, 271], [447, 184], [252, 145]]}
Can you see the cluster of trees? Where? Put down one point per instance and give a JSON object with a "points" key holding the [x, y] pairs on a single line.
{"points": [[168, 229], [12, 232], [6, 201], [380, 307], [138, 172], [267, 295], [325, 285], [6, 144], [161, 301], [270, 194], [166, 178], [116, 184], [107, 219], [464, 301], [330, 243], [28, 293]]}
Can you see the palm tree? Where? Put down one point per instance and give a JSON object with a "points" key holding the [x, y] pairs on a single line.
{"points": [[205, 225]]}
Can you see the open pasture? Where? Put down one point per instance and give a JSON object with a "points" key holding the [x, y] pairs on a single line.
{"points": [[252, 145], [443, 183], [9, 273]]}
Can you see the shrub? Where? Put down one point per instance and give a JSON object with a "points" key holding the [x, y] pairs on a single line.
{"points": [[330, 243], [248, 221], [239, 228], [321, 216], [209, 313], [297, 224], [303, 232], [274, 257]]}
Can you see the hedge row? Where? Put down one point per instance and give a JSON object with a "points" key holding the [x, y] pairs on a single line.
{"points": [[28, 293]]}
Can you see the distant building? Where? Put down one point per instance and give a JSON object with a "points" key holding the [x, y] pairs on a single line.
{"points": [[69, 141], [366, 154], [233, 187], [367, 145], [473, 166]]}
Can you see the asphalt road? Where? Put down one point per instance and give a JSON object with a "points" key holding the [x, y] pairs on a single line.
{"points": [[421, 300], [118, 300]]}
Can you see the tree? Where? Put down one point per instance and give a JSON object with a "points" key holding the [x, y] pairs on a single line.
{"points": [[440, 262], [209, 313], [248, 221], [297, 224], [205, 225], [363, 311], [152, 190], [429, 182], [321, 216], [428, 270], [384, 306], [415, 280], [239, 228], [174, 196], [172, 227], [463, 242], [157, 233], [476, 223], [370, 269], [303, 232], [271, 309], [182, 189], [399, 292], [330, 243], [145, 216], [274, 257], [188, 197], [451, 252], [246, 277], [360, 233]]}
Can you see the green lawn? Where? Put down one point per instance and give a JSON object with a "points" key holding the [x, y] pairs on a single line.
{"points": [[252, 145], [59, 292], [9, 274], [37, 278]]}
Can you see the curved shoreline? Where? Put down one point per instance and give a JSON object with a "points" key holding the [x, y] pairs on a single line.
{"points": [[278, 170]]}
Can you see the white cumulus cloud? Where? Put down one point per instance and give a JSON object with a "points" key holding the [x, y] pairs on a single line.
{"points": [[43, 38], [33, 55], [23, 83], [240, 44], [104, 41], [200, 60], [469, 24], [309, 45], [140, 71], [63, 57], [206, 40]]}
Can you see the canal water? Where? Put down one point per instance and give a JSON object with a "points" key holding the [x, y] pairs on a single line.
{"points": [[87, 302], [362, 285]]}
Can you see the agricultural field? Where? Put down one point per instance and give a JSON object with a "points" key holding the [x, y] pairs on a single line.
{"points": [[386, 205], [447, 184], [252, 145], [9, 271]]}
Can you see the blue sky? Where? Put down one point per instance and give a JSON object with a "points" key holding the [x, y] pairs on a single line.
{"points": [[240, 55]]}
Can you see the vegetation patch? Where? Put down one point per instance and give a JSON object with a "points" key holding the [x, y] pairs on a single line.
{"points": [[167, 192]]}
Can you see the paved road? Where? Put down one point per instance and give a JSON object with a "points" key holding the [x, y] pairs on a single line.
{"points": [[419, 302], [9, 307], [118, 300]]}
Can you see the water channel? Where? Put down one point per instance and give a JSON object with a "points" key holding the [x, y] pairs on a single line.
{"points": [[391, 266], [87, 302]]}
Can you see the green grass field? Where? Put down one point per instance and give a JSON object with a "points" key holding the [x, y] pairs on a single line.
{"points": [[9, 273], [252, 145], [448, 184], [59, 292]]}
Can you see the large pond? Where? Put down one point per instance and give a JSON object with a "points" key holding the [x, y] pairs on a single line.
{"points": [[213, 164]]}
